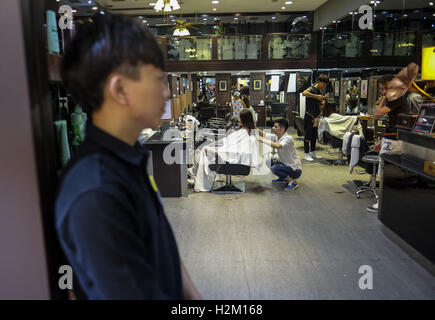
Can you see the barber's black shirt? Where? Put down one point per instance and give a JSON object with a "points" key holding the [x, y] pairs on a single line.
{"points": [[111, 223], [312, 106], [397, 106]]}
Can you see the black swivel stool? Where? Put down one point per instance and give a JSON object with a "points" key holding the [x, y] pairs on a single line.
{"points": [[371, 186]]}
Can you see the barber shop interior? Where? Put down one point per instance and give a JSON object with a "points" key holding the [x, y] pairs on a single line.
{"points": [[218, 150]]}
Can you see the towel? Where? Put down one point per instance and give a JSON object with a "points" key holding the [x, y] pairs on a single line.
{"points": [[354, 141]]}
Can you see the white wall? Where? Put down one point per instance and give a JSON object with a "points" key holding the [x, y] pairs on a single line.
{"points": [[23, 269]]}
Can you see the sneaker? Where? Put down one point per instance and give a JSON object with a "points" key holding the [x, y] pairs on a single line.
{"points": [[314, 155], [373, 208], [279, 180], [308, 157], [291, 186], [191, 182], [190, 172]]}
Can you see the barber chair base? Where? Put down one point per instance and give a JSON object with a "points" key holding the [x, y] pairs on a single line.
{"points": [[363, 189], [371, 185], [238, 187], [339, 162]]}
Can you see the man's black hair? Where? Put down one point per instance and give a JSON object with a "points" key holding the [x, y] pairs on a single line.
{"points": [[329, 107], [386, 78], [323, 78], [282, 122], [111, 42]]}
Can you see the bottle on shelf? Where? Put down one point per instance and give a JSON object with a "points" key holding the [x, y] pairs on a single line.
{"points": [[62, 140], [78, 123]]}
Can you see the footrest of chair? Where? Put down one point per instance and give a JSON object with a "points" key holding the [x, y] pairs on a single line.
{"points": [[231, 188]]}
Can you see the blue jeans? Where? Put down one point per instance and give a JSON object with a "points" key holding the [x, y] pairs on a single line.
{"points": [[281, 170]]}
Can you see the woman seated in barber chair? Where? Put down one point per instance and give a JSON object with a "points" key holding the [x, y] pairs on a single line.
{"points": [[239, 147]]}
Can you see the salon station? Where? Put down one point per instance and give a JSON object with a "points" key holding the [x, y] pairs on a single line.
{"points": [[246, 235]]}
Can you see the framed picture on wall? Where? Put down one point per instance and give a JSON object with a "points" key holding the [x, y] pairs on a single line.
{"points": [[257, 85], [223, 85]]}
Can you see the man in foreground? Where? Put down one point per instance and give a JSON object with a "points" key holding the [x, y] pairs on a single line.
{"points": [[109, 215]]}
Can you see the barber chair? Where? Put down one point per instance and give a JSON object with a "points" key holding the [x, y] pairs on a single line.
{"points": [[218, 123], [229, 170], [334, 142], [205, 114], [277, 110], [371, 186]]}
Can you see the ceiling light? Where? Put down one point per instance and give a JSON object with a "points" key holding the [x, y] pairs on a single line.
{"points": [[283, 8], [215, 2], [159, 5], [102, 12], [289, 2], [94, 8], [214, 9], [431, 3], [205, 19], [89, 1], [166, 5], [274, 18], [152, 4], [144, 21], [236, 18], [74, 11]]}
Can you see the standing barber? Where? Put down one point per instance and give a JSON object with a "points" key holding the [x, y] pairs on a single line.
{"points": [[392, 105], [312, 112], [109, 215]]}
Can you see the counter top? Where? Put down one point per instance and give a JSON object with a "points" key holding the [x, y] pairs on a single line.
{"points": [[157, 138], [419, 139], [409, 163]]}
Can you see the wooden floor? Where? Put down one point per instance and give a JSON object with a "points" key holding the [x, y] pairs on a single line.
{"points": [[304, 244]]}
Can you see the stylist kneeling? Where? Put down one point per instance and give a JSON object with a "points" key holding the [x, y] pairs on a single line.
{"points": [[287, 166]]}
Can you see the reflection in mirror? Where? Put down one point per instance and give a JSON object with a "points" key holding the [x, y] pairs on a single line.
{"points": [[350, 96], [189, 48]]}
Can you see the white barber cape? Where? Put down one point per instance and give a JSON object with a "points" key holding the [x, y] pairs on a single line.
{"points": [[237, 148], [337, 125]]}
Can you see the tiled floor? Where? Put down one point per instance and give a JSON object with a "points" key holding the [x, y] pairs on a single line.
{"points": [[304, 244]]}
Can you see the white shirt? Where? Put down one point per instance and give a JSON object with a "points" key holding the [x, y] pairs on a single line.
{"points": [[287, 154]]}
